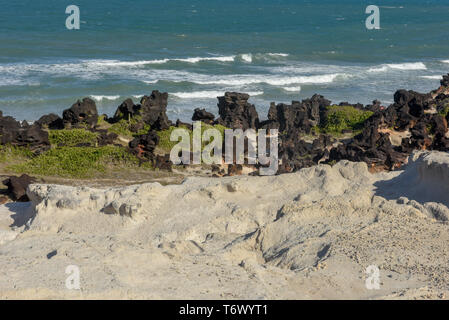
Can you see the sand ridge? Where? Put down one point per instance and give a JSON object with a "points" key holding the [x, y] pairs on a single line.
{"points": [[309, 234]]}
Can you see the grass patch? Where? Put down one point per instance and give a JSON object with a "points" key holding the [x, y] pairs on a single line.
{"points": [[77, 162], [164, 136], [15, 154], [443, 112], [72, 137], [341, 118], [122, 128]]}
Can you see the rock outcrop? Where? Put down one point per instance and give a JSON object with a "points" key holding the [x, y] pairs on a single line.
{"points": [[236, 113], [17, 187], [16, 134], [299, 116], [143, 146], [153, 110], [125, 111], [51, 121], [203, 115], [81, 114]]}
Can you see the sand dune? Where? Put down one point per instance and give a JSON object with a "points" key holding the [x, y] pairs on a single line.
{"points": [[309, 234]]}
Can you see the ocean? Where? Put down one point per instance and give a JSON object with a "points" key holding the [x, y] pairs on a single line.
{"points": [[275, 50]]}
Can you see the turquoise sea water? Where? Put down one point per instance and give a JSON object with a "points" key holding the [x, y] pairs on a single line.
{"points": [[278, 50]]}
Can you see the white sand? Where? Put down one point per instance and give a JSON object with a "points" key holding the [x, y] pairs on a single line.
{"points": [[309, 234]]}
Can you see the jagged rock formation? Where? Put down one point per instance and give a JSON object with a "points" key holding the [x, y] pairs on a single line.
{"points": [[125, 111], [143, 146], [203, 115], [17, 187], [153, 110], [236, 113], [81, 113], [16, 134], [415, 121], [51, 121]]}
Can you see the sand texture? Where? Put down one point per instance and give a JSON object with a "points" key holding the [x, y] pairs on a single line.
{"points": [[304, 235]]}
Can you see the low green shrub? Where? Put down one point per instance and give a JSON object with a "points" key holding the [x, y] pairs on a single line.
{"points": [[72, 137], [340, 118], [11, 154], [444, 111], [77, 162], [164, 136], [122, 128]]}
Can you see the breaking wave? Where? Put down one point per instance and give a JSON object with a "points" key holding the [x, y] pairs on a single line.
{"points": [[399, 66], [101, 98], [207, 94]]}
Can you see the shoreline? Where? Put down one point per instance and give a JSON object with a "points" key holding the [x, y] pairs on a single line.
{"points": [[358, 187], [134, 144]]}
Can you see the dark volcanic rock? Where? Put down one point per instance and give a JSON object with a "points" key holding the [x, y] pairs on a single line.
{"points": [[32, 137], [235, 169], [203, 115], [125, 111], [143, 146], [17, 187], [409, 106], [301, 116], [179, 123], [295, 153], [105, 138], [81, 113], [153, 110], [236, 113], [444, 88], [8, 124], [163, 162], [51, 121]]}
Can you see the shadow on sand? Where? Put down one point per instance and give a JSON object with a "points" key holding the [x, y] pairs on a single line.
{"points": [[22, 212]]}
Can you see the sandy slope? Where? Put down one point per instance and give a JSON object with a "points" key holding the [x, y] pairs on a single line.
{"points": [[309, 234]]}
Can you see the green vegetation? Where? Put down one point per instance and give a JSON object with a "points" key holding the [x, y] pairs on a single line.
{"points": [[444, 111], [72, 137], [164, 139], [122, 128], [164, 136], [77, 162], [340, 118], [10, 154]]}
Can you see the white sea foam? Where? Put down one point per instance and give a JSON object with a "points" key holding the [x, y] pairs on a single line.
{"points": [[378, 69], [278, 54], [248, 57], [118, 63], [445, 61], [408, 66], [435, 77], [207, 94], [240, 80], [292, 89], [399, 66], [199, 59], [101, 98]]}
